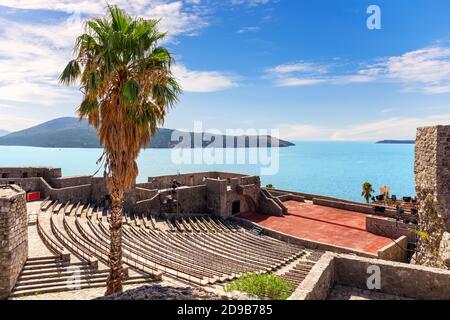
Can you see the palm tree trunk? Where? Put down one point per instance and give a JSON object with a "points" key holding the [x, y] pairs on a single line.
{"points": [[114, 284]]}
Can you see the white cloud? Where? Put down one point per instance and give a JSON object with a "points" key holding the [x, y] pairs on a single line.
{"points": [[401, 128], [425, 70], [396, 128], [429, 65], [296, 82], [32, 60], [297, 67], [250, 3], [13, 123], [34, 54], [248, 29], [176, 17], [307, 73], [202, 81], [304, 132]]}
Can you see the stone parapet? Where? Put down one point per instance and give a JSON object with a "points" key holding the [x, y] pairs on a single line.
{"points": [[432, 180], [13, 236]]}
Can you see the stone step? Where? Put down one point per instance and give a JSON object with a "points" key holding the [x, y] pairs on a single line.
{"points": [[101, 284], [50, 281], [63, 268], [33, 265], [61, 282], [43, 262], [55, 258], [29, 292], [64, 273], [302, 268]]}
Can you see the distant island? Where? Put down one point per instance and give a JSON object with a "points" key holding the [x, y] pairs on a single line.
{"points": [[70, 132], [397, 141]]}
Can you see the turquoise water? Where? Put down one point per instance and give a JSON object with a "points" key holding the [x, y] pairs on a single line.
{"points": [[329, 168]]}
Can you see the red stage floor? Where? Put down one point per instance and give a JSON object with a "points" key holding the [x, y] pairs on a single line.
{"points": [[323, 224]]}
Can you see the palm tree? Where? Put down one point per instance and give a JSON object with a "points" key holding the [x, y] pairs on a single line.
{"points": [[128, 86], [367, 191]]}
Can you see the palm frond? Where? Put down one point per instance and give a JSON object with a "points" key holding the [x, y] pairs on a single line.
{"points": [[70, 73]]}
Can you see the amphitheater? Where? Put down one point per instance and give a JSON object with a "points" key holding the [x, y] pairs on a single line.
{"points": [[203, 231]]}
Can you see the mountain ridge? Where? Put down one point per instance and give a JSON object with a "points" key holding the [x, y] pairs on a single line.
{"points": [[70, 132]]}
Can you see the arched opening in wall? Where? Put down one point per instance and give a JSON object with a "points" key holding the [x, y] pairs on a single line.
{"points": [[5, 176], [25, 175]]}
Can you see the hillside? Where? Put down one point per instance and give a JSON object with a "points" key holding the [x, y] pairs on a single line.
{"points": [[72, 133], [3, 132]]}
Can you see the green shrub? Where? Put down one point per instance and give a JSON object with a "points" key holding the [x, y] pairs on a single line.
{"points": [[269, 186], [265, 285]]}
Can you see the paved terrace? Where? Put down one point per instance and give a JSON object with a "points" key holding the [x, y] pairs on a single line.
{"points": [[323, 224]]}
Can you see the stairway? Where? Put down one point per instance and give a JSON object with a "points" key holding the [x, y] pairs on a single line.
{"points": [[277, 201], [50, 274], [298, 273]]}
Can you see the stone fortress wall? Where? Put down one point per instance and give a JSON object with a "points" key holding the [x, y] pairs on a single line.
{"points": [[219, 193], [13, 236], [432, 177]]}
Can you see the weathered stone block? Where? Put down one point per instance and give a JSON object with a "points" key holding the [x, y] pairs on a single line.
{"points": [[13, 237]]}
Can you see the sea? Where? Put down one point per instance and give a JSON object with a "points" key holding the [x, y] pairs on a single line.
{"points": [[335, 169]]}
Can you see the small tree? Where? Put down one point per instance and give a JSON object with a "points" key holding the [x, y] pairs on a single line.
{"points": [[269, 186], [367, 191]]}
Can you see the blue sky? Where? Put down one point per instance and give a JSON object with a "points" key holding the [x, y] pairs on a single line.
{"points": [[310, 68]]}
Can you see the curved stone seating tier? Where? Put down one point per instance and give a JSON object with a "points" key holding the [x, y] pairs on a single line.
{"points": [[236, 247], [194, 248], [129, 256], [200, 249], [132, 246], [168, 248], [257, 255], [69, 242], [165, 260], [211, 260], [53, 245]]}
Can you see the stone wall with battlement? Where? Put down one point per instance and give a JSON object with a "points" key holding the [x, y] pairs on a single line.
{"points": [[30, 172], [188, 179], [202, 192], [13, 236]]}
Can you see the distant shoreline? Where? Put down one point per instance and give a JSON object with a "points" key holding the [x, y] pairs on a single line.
{"points": [[396, 142], [69, 132]]}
